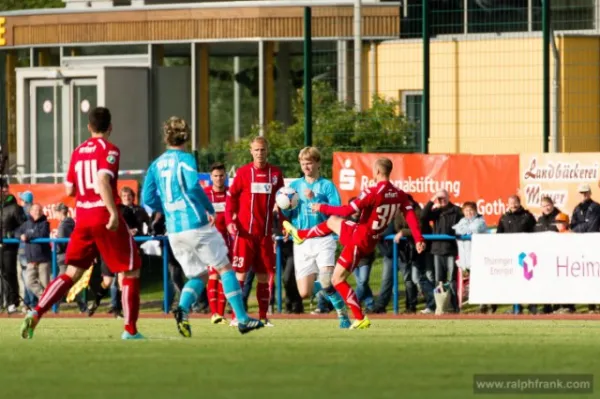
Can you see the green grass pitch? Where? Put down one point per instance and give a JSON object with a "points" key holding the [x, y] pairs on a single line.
{"points": [[430, 359]]}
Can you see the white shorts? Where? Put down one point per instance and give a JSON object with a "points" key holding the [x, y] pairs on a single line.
{"points": [[198, 249], [314, 254]]}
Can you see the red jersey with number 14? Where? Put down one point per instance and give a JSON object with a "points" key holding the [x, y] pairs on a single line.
{"points": [[93, 156], [378, 207], [218, 200]]}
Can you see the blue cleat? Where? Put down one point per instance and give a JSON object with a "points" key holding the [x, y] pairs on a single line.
{"points": [[345, 322], [127, 336], [250, 325]]}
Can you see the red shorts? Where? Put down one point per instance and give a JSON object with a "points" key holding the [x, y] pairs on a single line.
{"points": [[351, 253], [118, 250], [256, 253]]}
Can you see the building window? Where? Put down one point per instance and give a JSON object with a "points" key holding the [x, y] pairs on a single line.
{"points": [[411, 108]]}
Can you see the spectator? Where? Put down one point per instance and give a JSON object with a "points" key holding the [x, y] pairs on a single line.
{"points": [[517, 220], [29, 299], [140, 220], [38, 256], [471, 223], [546, 221], [443, 214], [586, 218], [12, 217], [561, 223], [65, 229]]}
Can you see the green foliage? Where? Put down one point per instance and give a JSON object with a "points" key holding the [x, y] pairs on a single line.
{"points": [[6, 5], [337, 126]]}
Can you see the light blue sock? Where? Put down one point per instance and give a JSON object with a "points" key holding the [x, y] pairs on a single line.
{"points": [[233, 293], [190, 293], [317, 287], [338, 303]]}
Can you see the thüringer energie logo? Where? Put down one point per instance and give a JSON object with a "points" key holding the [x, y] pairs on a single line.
{"points": [[527, 262]]}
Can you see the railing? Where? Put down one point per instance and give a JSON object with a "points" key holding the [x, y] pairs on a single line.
{"points": [[278, 268]]}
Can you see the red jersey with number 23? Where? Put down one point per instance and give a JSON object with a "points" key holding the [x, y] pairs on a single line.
{"points": [[378, 207], [91, 157]]}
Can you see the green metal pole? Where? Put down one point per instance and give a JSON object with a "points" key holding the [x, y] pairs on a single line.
{"points": [[307, 77], [546, 54], [426, 69]]}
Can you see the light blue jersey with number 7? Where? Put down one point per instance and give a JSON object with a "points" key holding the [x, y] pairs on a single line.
{"points": [[172, 187]]}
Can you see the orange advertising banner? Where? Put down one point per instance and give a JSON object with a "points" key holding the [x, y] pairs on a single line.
{"points": [[558, 176], [49, 195], [487, 180]]}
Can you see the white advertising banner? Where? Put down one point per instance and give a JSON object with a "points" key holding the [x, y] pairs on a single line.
{"points": [[535, 268]]}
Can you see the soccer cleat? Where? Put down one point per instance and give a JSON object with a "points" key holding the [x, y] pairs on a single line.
{"points": [[92, 309], [250, 325], [267, 323], [345, 322], [183, 325], [127, 336], [218, 319], [291, 230], [29, 324], [234, 323], [360, 324]]}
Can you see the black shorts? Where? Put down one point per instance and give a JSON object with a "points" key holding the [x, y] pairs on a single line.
{"points": [[105, 271]]}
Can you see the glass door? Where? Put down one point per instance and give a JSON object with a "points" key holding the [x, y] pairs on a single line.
{"points": [[82, 97], [46, 130]]}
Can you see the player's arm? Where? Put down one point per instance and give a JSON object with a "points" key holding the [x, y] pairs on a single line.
{"points": [[149, 190], [232, 200], [345, 210], [70, 180], [411, 219], [189, 173], [108, 169]]}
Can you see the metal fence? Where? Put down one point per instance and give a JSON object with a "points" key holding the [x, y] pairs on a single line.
{"points": [[278, 268]]}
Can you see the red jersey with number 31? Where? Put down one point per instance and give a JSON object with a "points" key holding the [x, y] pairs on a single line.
{"points": [[93, 156], [378, 207]]}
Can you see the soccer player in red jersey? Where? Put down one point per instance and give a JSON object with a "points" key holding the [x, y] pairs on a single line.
{"points": [[377, 207], [217, 194], [100, 229], [249, 212]]}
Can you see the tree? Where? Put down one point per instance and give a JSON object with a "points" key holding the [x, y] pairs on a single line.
{"points": [[336, 127], [7, 5]]}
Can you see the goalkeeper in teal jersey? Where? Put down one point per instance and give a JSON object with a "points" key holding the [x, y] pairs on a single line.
{"points": [[171, 186], [315, 257]]}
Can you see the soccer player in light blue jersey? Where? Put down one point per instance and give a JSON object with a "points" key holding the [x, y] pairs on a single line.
{"points": [[190, 217], [315, 257]]}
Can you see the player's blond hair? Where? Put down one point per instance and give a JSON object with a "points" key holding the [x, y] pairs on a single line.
{"points": [[385, 166], [310, 153], [176, 131], [260, 139]]}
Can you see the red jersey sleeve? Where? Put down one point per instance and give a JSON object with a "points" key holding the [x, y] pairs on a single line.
{"points": [[70, 178], [232, 201], [364, 200], [411, 217], [108, 161]]}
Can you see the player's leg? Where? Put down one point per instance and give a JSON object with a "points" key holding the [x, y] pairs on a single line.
{"points": [[305, 269], [346, 263], [264, 266], [325, 259], [121, 255], [221, 301], [104, 289], [331, 225], [212, 292], [81, 251], [212, 250], [244, 250]]}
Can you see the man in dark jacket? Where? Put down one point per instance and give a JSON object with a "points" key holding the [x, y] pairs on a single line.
{"points": [[443, 214], [38, 256], [586, 217], [12, 217], [516, 220]]}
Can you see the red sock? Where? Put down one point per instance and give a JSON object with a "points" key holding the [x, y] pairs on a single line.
{"points": [[320, 230], [220, 299], [349, 296], [211, 293], [263, 294], [55, 291], [131, 303], [241, 289]]}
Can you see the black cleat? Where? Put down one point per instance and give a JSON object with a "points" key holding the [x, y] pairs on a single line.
{"points": [[183, 325], [250, 325]]}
